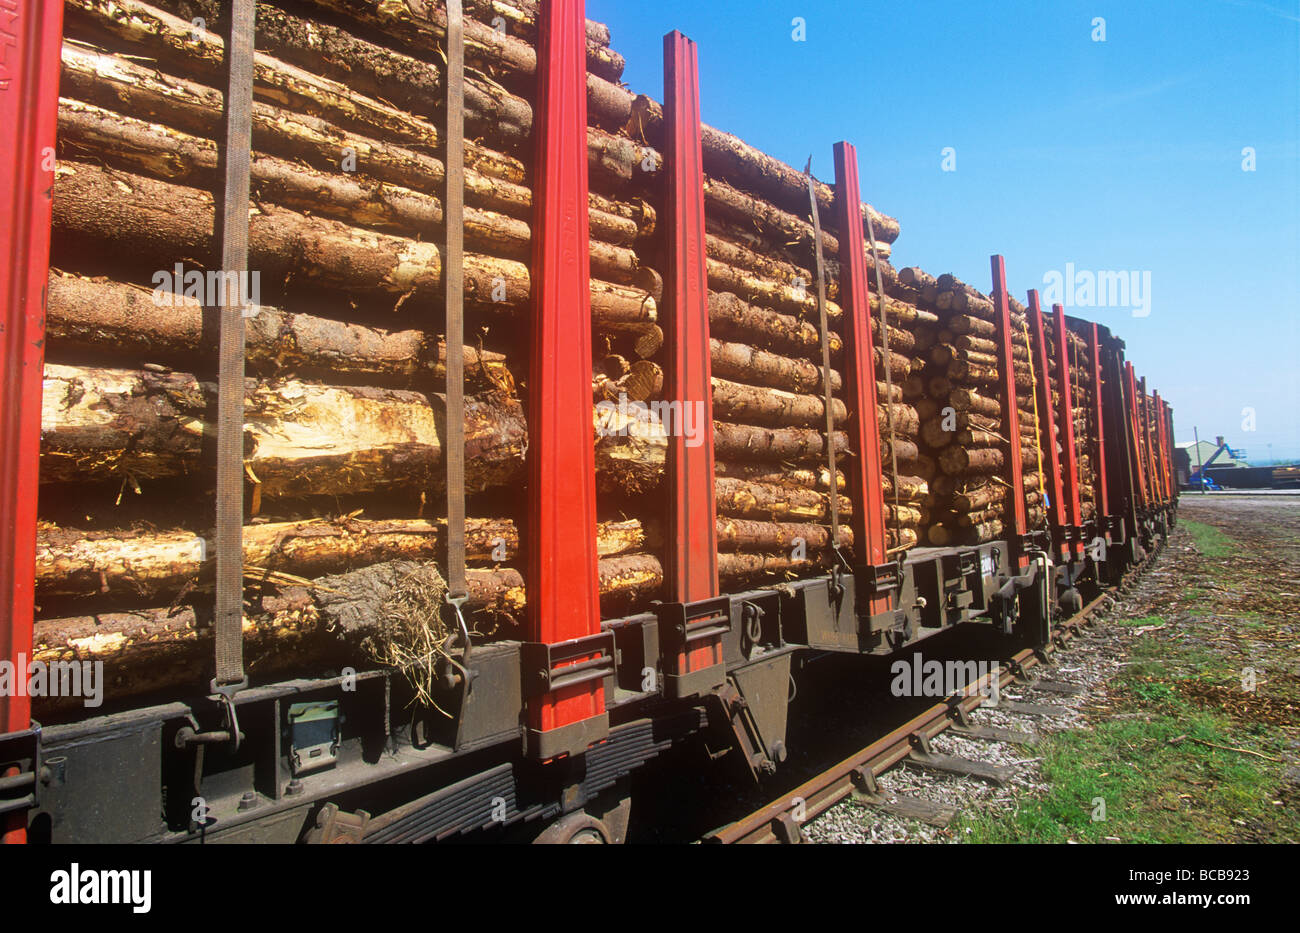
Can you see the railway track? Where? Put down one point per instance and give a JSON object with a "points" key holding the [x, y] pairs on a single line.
{"points": [[780, 820]]}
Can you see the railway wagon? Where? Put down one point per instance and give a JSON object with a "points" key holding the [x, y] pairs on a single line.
{"points": [[359, 484]]}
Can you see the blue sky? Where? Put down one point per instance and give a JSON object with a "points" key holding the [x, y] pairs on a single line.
{"points": [[1123, 155]]}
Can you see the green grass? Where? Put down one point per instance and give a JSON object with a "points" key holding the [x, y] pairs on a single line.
{"points": [[1140, 621], [1157, 783], [1209, 540]]}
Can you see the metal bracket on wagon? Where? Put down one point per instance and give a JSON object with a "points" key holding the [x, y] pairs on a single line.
{"points": [[684, 630], [21, 750], [877, 579], [553, 667]]}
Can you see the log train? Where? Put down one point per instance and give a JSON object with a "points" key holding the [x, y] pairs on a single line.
{"points": [[889, 455]]}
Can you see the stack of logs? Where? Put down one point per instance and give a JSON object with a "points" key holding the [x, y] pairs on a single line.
{"points": [[1085, 422], [956, 395], [343, 416]]}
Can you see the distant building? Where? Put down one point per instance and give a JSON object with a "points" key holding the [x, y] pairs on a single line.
{"points": [[1207, 450]]}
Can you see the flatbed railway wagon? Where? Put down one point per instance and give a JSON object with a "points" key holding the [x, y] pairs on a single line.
{"points": [[294, 287]]}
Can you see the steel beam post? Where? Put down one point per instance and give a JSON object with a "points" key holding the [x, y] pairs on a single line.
{"points": [[1065, 415], [30, 40], [1144, 413], [692, 571], [562, 585], [863, 470], [1135, 433], [1102, 503], [1047, 420], [1010, 413]]}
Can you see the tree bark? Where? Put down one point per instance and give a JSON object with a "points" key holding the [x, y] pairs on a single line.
{"points": [[771, 292], [743, 363], [734, 401], [413, 83], [910, 488], [780, 475], [92, 316], [178, 158], [492, 179], [728, 158], [422, 25], [746, 535], [956, 461], [735, 319], [750, 442], [742, 499], [145, 564], [965, 399], [300, 439], [171, 223]]}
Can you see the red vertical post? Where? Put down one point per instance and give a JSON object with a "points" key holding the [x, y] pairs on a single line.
{"points": [[1173, 472], [1144, 412], [1101, 516], [1135, 452], [692, 571], [1010, 413], [863, 473], [1047, 419], [1165, 458], [30, 40], [1162, 446], [1070, 456], [563, 593]]}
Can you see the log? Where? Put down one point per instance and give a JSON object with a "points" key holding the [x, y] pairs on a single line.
{"points": [[747, 535], [945, 354], [642, 381], [904, 450], [492, 180], [779, 272], [965, 399], [956, 461], [910, 488], [733, 318], [729, 158], [779, 474], [771, 292], [977, 327], [150, 650], [92, 316], [791, 231], [415, 84], [178, 46], [742, 499], [741, 362], [751, 442], [906, 421], [300, 439], [523, 17], [645, 339], [169, 155], [735, 568], [422, 25], [981, 498], [734, 401], [145, 564], [922, 466], [900, 539], [135, 217]]}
